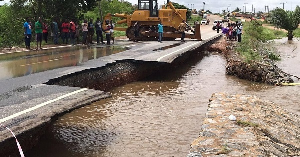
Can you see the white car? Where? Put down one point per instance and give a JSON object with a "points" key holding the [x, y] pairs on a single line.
{"points": [[215, 24], [203, 22]]}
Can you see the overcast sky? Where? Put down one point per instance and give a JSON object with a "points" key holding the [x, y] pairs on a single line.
{"points": [[219, 5]]}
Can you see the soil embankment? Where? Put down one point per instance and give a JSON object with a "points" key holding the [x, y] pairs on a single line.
{"points": [[264, 72]]}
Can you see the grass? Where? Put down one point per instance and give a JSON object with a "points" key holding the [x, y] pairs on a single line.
{"points": [[224, 150], [234, 19], [193, 19], [254, 38], [297, 33], [119, 33], [246, 124], [271, 34]]}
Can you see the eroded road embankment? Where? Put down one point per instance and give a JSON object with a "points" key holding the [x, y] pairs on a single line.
{"points": [[103, 78]]}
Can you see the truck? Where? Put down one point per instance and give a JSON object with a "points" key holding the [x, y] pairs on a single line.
{"points": [[148, 16]]}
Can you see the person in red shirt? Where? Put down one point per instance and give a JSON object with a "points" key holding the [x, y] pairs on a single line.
{"points": [[65, 31], [45, 31], [72, 32]]}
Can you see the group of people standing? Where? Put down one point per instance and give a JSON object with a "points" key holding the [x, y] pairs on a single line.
{"points": [[233, 31], [68, 30], [39, 30]]}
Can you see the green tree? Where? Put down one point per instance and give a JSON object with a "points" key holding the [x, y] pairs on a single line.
{"points": [[179, 6], [112, 6], [208, 11], [237, 9], [12, 22], [288, 20], [61, 9]]}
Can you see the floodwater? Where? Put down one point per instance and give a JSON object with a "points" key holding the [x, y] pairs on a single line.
{"points": [[26, 63], [157, 117]]}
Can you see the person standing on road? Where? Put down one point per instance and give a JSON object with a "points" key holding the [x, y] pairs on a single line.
{"points": [[239, 29], [218, 26], [98, 26], [65, 31], [181, 28], [91, 31], [27, 33], [39, 33], [72, 32], [136, 30], [84, 31], [112, 37], [45, 32], [54, 27], [107, 32], [77, 32], [160, 31]]}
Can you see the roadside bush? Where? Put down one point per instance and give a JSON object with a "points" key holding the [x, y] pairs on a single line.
{"points": [[119, 33], [11, 26], [194, 18], [253, 46], [296, 33]]}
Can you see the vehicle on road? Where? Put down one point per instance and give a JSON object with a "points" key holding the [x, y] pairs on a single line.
{"points": [[204, 22], [148, 16], [215, 24]]}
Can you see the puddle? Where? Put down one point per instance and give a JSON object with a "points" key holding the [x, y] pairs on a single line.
{"points": [[26, 63]]}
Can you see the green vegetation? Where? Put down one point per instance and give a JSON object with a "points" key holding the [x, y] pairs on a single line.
{"points": [[253, 46], [179, 6], [12, 17], [193, 19], [224, 150], [288, 20], [11, 26], [234, 19], [297, 33], [246, 124], [119, 33]]}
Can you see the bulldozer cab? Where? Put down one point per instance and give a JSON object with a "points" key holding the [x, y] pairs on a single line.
{"points": [[150, 5]]}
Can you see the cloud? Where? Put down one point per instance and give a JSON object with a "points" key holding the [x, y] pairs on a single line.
{"points": [[218, 5]]}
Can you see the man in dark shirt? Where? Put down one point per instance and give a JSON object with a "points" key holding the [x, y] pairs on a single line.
{"points": [[91, 31], [98, 26]]}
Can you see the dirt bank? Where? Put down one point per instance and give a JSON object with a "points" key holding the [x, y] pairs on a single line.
{"points": [[265, 71], [243, 125]]}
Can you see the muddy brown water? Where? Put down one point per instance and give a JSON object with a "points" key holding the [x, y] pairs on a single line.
{"points": [[26, 63], [157, 117]]}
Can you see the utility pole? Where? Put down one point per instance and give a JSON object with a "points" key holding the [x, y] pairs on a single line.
{"points": [[203, 5], [252, 8], [283, 5], [245, 7], [100, 10], [265, 8]]}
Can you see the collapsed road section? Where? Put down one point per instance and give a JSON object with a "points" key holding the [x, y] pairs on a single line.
{"points": [[30, 108]]}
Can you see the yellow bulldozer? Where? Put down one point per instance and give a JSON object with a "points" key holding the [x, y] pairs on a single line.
{"points": [[147, 16]]}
